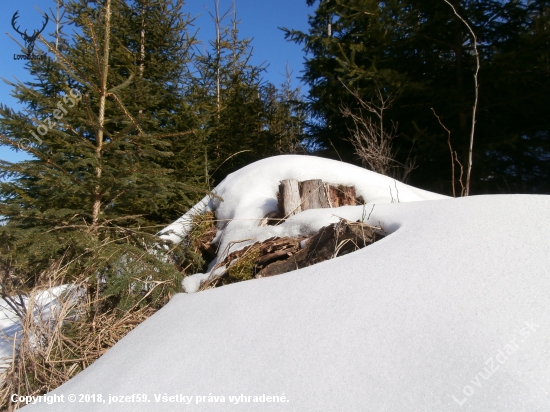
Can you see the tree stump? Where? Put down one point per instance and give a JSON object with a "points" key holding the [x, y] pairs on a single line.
{"points": [[289, 197], [295, 197], [342, 195], [276, 255], [331, 241], [313, 195]]}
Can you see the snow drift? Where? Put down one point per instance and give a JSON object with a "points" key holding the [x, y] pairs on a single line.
{"points": [[251, 193], [450, 312]]}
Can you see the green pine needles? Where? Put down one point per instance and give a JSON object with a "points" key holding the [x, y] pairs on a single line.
{"points": [[98, 185]]}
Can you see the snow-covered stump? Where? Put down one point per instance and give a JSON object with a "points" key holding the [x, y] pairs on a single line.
{"points": [[289, 195], [249, 205]]}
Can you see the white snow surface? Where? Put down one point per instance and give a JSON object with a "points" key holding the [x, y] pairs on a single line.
{"points": [[450, 312], [250, 193], [43, 304]]}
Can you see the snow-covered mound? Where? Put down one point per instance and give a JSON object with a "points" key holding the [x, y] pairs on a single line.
{"points": [[250, 193], [450, 312]]}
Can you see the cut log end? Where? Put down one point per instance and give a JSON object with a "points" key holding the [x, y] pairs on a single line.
{"points": [[289, 197], [295, 197]]}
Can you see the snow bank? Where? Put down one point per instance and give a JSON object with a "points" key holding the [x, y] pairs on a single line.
{"points": [[451, 312], [250, 193]]}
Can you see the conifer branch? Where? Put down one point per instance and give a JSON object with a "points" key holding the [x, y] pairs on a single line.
{"points": [[39, 155], [69, 67], [96, 48], [126, 112], [123, 84], [163, 135]]}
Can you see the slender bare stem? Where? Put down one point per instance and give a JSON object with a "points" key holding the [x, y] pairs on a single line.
{"points": [[450, 148], [474, 109]]}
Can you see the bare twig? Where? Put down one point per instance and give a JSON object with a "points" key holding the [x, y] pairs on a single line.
{"points": [[462, 188], [474, 109], [370, 138], [396, 190], [451, 149]]}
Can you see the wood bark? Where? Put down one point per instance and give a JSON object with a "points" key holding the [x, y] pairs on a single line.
{"points": [[342, 195], [271, 250], [295, 197], [271, 219], [331, 241], [313, 195], [275, 255], [289, 197], [96, 194]]}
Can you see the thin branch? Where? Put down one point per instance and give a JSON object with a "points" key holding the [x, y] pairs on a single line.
{"points": [[474, 109], [126, 112], [463, 189], [371, 141], [450, 148], [75, 73]]}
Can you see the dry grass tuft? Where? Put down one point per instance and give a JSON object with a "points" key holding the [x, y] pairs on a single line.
{"points": [[203, 231], [57, 342]]}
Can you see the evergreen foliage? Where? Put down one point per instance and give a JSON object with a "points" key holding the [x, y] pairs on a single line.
{"points": [[242, 118], [422, 53], [99, 186], [286, 117]]}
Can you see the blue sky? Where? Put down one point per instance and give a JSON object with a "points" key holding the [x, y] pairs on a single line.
{"points": [[260, 20]]}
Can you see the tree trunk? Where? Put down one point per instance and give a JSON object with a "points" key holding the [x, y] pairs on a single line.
{"points": [[96, 194]]}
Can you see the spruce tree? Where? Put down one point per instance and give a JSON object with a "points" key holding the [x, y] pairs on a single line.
{"points": [[100, 122], [238, 110], [286, 116], [161, 39]]}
